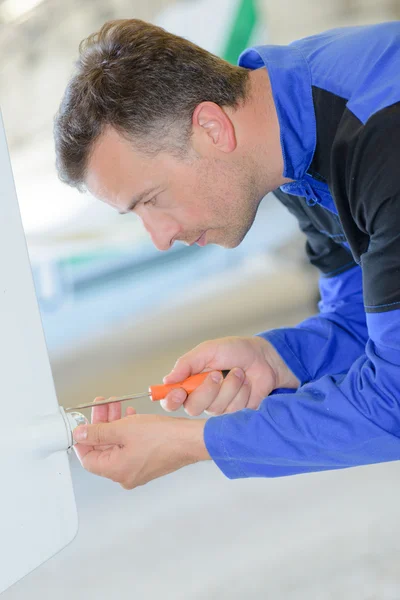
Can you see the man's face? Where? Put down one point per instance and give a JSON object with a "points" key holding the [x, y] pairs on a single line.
{"points": [[199, 199]]}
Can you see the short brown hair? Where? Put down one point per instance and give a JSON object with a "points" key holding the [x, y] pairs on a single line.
{"points": [[143, 81]]}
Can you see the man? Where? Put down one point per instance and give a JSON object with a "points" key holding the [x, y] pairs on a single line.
{"points": [[152, 124]]}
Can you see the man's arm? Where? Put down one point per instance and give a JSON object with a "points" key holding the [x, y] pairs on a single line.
{"points": [[331, 341], [335, 422], [338, 421]]}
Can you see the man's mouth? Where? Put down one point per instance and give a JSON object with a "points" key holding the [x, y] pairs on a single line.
{"points": [[201, 241]]}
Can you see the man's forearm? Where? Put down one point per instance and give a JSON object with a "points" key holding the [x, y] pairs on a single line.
{"points": [[331, 341]]}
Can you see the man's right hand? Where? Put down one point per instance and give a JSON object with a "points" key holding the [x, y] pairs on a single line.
{"points": [[256, 369]]}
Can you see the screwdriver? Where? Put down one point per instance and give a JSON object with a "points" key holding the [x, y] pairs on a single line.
{"points": [[156, 392]]}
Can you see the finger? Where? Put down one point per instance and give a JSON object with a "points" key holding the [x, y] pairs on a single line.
{"points": [[240, 401], [104, 462], [81, 451], [232, 388], [174, 400], [204, 395], [104, 414], [130, 411], [254, 400], [114, 411], [194, 361], [100, 434], [99, 413]]}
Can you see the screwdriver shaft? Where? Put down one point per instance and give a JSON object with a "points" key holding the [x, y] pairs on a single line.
{"points": [[120, 399], [156, 392]]}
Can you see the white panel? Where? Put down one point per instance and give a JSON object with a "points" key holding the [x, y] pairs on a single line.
{"points": [[37, 506]]}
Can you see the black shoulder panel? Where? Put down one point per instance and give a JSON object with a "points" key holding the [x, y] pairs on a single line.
{"points": [[366, 188], [324, 235], [329, 110]]}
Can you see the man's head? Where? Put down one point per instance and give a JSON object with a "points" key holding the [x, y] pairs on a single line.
{"points": [[149, 118]]}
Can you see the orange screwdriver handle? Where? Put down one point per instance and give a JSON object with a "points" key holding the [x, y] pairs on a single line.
{"points": [[158, 392]]}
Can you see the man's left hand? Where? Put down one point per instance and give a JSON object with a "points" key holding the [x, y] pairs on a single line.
{"points": [[137, 448]]}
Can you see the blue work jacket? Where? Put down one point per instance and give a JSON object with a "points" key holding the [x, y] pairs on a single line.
{"points": [[337, 97]]}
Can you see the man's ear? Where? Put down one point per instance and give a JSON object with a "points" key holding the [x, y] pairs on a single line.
{"points": [[212, 128]]}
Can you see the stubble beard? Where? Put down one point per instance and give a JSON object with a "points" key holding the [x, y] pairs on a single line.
{"points": [[238, 216], [245, 215]]}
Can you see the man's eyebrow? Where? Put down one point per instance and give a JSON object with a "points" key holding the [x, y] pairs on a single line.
{"points": [[136, 200]]}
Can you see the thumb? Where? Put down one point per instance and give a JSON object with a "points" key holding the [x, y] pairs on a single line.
{"points": [[181, 371], [194, 361], [98, 434]]}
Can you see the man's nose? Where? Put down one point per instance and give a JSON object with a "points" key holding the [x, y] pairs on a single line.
{"points": [[161, 230]]}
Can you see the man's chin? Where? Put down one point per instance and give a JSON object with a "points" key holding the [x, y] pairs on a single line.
{"points": [[228, 244], [226, 241], [235, 242]]}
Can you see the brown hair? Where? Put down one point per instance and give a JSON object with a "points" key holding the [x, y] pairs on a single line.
{"points": [[143, 81]]}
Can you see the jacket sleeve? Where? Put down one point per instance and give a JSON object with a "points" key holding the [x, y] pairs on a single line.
{"points": [[334, 422], [331, 341]]}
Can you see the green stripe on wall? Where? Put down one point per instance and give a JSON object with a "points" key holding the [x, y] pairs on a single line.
{"points": [[243, 26]]}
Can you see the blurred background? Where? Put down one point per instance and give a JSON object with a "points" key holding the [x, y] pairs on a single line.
{"points": [[117, 314]]}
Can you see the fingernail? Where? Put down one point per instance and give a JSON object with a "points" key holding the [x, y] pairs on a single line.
{"points": [[80, 433], [239, 374], [164, 404], [216, 377]]}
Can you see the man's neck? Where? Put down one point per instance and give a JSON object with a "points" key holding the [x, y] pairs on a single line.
{"points": [[260, 118]]}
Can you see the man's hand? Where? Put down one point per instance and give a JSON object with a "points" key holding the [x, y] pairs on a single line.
{"points": [[256, 370], [138, 448]]}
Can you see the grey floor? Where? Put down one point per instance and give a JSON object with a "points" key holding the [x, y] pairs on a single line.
{"points": [[196, 535]]}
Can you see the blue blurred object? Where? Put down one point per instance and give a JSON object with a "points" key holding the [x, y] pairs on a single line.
{"points": [[80, 296]]}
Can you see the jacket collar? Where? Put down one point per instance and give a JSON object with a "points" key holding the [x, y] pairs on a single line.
{"points": [[292, 92]]}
